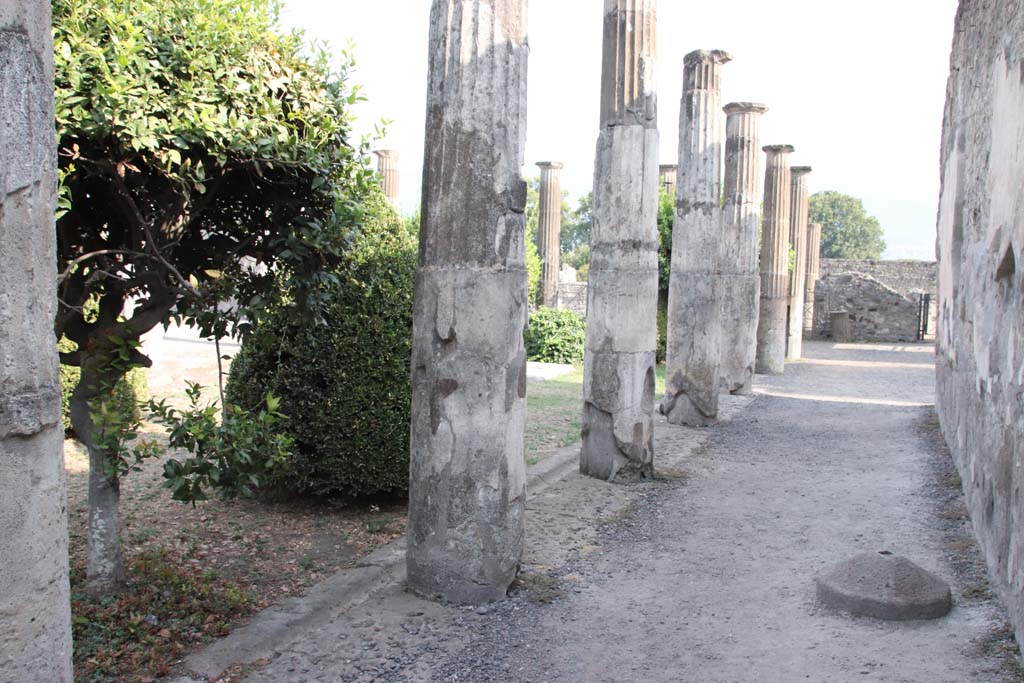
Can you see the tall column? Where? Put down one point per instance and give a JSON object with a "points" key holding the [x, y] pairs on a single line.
{"points": [[694, 337], [618, 383], [741, 227], [813, 271], [798, 276], [387, 169], [467, 467], [771, 323], [549, 229], [667, 176], [35, 613]]}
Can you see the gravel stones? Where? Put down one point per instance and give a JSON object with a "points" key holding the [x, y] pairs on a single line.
{"points": [[884, 586]]}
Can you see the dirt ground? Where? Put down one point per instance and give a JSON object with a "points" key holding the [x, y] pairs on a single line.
{"points": [[707, 574]]}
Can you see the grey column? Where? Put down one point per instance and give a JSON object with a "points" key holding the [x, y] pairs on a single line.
{"points": [[387, 169], [467, 466], [741, 227], [694, 343], [798, 276], [813, 271], [549, 229], [667, 176], [618, 384], [771, 323], [35, 616]]}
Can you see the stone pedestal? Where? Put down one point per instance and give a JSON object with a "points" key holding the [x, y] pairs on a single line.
{"points": [[667, 176], [741, 227], [693, 347], [813, 272], [467, 468], [35, 617], [387, 169], [771, 324], [618, 385], [798, 276], [549, 229]]}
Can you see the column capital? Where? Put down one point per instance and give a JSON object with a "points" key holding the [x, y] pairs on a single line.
{"points": [[745, 108], [386, 153], [546, 165], [778, 149], [668, 167], [714, 56], [800, 170]]}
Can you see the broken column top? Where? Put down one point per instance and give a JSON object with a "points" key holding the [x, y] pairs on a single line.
{"points": [[716, 56], [778, 149], [551, 164], [743, 107], [800, 170]]}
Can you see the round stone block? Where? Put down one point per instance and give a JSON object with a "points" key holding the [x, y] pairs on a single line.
{"points": [[884, 586]]}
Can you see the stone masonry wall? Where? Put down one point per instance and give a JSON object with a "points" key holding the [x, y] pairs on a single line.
{"points": [[882, 297], [980, 391]]}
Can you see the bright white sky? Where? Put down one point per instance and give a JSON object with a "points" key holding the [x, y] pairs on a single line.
{"points": [[857, 87]]}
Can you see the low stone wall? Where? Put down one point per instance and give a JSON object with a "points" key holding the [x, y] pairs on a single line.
{"points": [[572, 296], [883, 298]]}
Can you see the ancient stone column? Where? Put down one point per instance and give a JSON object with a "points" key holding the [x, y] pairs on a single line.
{"points": [[387, 169], [813, 271], [667, 176], [549, 229], [771, 323], [798, 276], [618, 384], [467, 466], [35, 613], [693, 347], [741, 226]]}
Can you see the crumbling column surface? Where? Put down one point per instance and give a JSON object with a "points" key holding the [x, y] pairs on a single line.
{"points": [[35, 616], [387, 169], [549, 229], [693, 350], [618, 384], [741, 228], [799, 206], [980, 333], [667, 176], [813, 272], [467, 467], [771, 322]]}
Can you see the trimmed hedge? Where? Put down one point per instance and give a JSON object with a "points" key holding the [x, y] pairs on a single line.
{"points": [[555, 336], [344, 386]]}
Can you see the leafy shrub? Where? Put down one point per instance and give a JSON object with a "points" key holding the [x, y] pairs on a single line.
{"points": [[128, 393], [344, 385], [555, 336]]}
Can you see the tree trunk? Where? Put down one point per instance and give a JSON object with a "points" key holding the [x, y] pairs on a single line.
{"points": [[105, 568]]}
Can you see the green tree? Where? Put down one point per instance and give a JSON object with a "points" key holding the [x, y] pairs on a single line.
{"points": [[205, 155], [666, 218], [577, 224], [847, 231]]}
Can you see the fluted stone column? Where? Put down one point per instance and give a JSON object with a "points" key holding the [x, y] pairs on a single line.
{"points": [[618, 384], [771, 324], [387, 169], [741, 226], [35, 615], [467, 468], [667, 176], [694, 337], [798, 277], [549, 229], [813, 271]]}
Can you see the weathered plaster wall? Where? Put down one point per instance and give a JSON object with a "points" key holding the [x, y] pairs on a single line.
{"points": [[35, 619], [980, 393], [906, 277]]}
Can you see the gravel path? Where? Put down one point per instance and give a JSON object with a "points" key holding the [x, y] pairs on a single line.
{"points": [[709, 577]]}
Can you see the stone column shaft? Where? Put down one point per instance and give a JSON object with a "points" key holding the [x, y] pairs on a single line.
{"points": [[387, 169], [618, 384], [467, 467], [667, 177], [35, 616], [741, 226], [549, 229], [771, 324], [798, 279], [813, 272], [694, 335]]}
